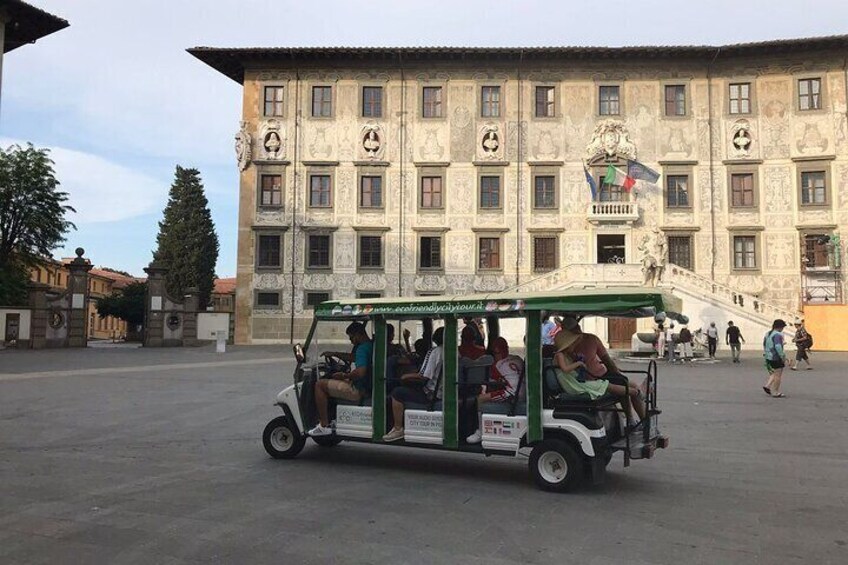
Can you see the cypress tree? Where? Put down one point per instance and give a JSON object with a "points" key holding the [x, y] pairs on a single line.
{"points": [[187, 242]]}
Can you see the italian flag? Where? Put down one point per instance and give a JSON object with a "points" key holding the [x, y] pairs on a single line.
{"points": [[617, 177]]}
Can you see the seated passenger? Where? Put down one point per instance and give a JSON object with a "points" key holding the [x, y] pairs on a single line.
{"points": [[420, 350], [397, 360], [419, 387], [567, 364], [468, 347], [354, 385], [503, 384]]}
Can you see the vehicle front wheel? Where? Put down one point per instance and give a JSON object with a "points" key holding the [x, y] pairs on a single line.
{"points": [[556, 466], [281, 439], [327, 441]]}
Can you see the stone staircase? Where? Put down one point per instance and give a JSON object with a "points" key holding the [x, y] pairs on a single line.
{"points": [[704, 300]]}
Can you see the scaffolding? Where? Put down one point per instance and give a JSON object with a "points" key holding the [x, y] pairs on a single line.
{"points": [[821, 269]]}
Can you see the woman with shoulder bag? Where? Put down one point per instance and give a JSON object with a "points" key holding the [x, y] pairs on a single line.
{"points": [[775, 358]]}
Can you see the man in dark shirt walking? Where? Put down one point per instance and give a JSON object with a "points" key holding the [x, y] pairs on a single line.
{"points": [[733, 338]]}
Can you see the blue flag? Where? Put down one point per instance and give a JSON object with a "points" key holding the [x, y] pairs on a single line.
{"points": [[592, 186], [639, 171]]}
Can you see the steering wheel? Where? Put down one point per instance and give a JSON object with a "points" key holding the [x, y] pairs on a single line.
{"points": [[335, 364]]}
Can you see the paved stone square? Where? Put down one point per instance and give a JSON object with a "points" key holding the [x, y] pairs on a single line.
{"points": [[123, 456]]}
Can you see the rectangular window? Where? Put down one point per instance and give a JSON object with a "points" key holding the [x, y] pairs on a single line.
{"points": [[491, 101], [544, 253], [680, 251], [372, 101], [813, 188], [744, 252], [371, 192], [544, 192], [268, 252], [430, 252], [815, 251], [267, 299], [742, 190], [432, 97], [371, 252], [809, 94], [545, 101], [431, 192], [740, 98], [318, 251], [368, 295], [313, 299], [273, 100], [677, 191], [490, 192], [610, 101], [271, 190], [675, 100], [319, 191], [322, 101], [490, 253], [610, 192]]}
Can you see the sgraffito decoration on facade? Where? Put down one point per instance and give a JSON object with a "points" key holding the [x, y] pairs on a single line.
{"points": [[609, 139], [372, 141], [243, 146], [273, 146], [741, 139]]}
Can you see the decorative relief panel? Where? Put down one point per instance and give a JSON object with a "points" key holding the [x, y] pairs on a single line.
{"points": [[462, 134], [776, 99], [490, 146], [815, 217], [272, 140], [270, 218], [781, 290], [741, 142], [431, 283], [675, 142], [319, 282], [269, 281], [744, 218], [462, 192], [370, 281], [545, 146], [345, 192], [781, 248], [578, 101], [577, 131], [777, 182], [243, 146], [609, 139], [431, 147], [680, 219], [751, 284], [836, 90], [809, 139], [319, 146], [372, 144], [489, 283], [459, 284], [460, 253], [576, 250], [344, 247]]}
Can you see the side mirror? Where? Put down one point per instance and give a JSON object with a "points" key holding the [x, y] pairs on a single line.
{"points": [[298, 353]]}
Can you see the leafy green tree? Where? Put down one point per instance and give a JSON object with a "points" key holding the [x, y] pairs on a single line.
{"points": [[187, 242], [32, 216], [128, 304]]}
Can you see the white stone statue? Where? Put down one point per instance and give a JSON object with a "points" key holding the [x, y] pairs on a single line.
{"points": [[654, 250], [243, 146]]}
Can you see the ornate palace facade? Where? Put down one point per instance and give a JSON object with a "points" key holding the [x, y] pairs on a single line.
{"points": [[378, 171]]}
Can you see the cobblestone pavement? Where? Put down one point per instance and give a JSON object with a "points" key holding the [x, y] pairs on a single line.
{"points": [[123, 456]]}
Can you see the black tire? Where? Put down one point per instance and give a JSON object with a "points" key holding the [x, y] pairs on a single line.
{"points": [[281, 439], [327, 441], [555, 466]]}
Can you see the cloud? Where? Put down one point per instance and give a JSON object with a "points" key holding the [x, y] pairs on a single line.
{"points": [[100, 190]]}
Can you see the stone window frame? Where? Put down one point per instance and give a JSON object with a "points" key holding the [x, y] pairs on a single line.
{"points": [[431, 170], [501, 103], [813, 231], [752, 96], [360, 101], [687, 232], [604, 84], [686, 83], [258, 291], [428, 83], [265, 171], [308, 291], [746, 231], [741, 169], [490, 172], [320, 170], [678, 169], [273, 84], [322, 84], [557, 100], [278, 231], [371, 231], [376, 294], [489, 233], [309, 231], [367, 170], [814, 165], [796, 93], [545, 170], [546, 233], [429, 232]]}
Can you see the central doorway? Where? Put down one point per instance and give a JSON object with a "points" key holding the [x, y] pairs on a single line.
{"points": [[611, 248], [621, 331]]}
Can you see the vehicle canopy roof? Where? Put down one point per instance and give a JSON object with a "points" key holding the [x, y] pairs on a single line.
{"points": [[624, 302]]}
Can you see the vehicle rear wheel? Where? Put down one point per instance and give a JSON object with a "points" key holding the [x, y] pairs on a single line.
{"points": [[556, 466], [327, 441], [281, 439]]}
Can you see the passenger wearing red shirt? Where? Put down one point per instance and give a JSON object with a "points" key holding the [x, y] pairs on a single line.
{"points": [[467, 347]]}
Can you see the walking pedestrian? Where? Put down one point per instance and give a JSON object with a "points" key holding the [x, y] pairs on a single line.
{"points": [[712, 339], [803, 342], [733, 338], [775, 358], [669, 342], [660, 341], [685, 338]]}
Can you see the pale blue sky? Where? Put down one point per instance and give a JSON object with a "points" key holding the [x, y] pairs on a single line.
{"points": [[121, 103]]}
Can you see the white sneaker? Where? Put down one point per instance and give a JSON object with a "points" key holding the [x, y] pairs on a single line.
{"points": [[320, 430], [476, 437]]}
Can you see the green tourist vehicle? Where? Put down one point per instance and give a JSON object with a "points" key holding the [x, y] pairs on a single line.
{"points": [[569, 439]]}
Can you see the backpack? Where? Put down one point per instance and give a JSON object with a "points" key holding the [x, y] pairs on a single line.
{"points": [[808, 343]]}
